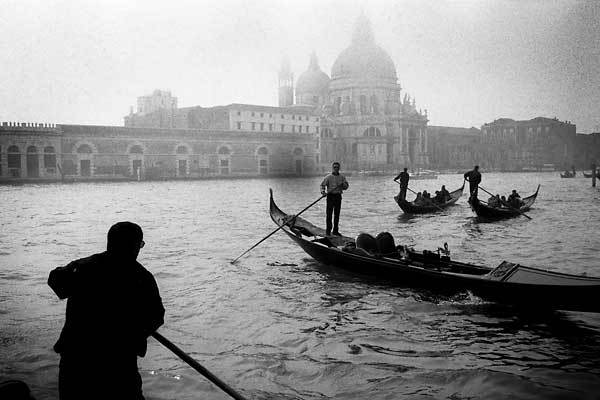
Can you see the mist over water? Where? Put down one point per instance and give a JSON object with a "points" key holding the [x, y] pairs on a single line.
{"points": [[277, 324]]}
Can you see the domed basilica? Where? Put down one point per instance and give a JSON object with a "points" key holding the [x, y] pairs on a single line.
{"points": [[365, 122]]}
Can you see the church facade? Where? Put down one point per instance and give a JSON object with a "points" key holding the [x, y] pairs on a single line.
{"points": [[366, 123]]}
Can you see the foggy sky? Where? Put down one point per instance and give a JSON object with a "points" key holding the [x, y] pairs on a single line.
{"points": [[466, 62]]}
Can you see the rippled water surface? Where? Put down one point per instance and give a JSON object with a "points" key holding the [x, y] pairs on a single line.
{"points": [[278, 324]]}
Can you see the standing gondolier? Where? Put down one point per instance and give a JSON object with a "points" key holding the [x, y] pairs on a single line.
{"points": [[474, 179], [404, 178], [333, 185]]}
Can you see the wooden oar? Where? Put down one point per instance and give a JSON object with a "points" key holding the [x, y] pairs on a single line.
{"points": [[281, 226], [194, 364], [507, 205], [440, 208]]}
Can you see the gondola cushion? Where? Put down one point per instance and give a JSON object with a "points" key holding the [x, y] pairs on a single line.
{"points": [[385, 243], [366, 242]]}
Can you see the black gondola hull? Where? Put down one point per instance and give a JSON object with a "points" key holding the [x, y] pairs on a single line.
{"points": [[496, 213], [428, 270], [409, 207]]}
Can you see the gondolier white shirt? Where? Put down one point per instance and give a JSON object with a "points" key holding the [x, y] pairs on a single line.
{"points": [[336, 183]]}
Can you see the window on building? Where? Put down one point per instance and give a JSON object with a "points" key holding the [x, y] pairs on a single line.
{"points": [[282, 116], [307, 129], [317, 129], [253, 113], [315, 99], [181, 149], [253, 125], [263, 167], [224, 167], [300, 128], [262, 126], [14, 161], [363, 104], [282, 128], [239, 125], [262, 115], [270, 127], [293, 128], [84, 149], [239, 113], [270, 115], [299, 117], [49, 157], [374, 105], [372, 131], [263, 151], [137, 149]]}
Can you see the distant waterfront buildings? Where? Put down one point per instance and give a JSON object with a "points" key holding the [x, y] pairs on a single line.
{"points": [[358, 116]]}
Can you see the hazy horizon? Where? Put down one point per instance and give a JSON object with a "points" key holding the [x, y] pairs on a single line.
{"points": [[466, 62]]}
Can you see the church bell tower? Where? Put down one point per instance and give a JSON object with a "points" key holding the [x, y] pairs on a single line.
{"points": [[286, 84]]}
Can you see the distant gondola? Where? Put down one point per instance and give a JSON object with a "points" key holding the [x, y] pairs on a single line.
{"points": [[568, 174], [590, 175], [509, 283], [492, 213], [409, 207]]}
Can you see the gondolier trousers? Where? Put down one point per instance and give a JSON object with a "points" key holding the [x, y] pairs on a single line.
{"points": [[334, 205], [403, 192]]}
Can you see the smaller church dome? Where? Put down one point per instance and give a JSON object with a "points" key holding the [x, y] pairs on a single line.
{"points": [[313, 80]]}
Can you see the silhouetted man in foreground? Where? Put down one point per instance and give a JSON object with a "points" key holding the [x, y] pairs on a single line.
{"points": [[113, 306], [474, 179], [404, 178]]}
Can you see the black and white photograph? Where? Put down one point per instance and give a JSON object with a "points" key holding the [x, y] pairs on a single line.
{"points": [[300, 199]]}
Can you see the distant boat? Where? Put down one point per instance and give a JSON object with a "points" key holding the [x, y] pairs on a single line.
{"points": [[423, 174], [568, 174], [409, 207], [548, 167], [590, 175], [484, 211]]}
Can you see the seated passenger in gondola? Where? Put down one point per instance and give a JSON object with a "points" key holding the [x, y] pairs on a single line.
{"points": [[445, 194], [503, 201], [419, 200], [426, 197], [438, 198], [514, 200], [494, 201]]}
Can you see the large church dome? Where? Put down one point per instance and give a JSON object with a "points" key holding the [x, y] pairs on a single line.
{"points": [[364, 59], [312, 80]]}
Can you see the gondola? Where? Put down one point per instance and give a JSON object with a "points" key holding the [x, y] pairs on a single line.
{"points": [[590, 175], [409, 207], [509, 283], [494, 213], [568, 174]]}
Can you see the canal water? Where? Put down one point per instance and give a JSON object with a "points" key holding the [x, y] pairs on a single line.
{"points": [[278, 325]]}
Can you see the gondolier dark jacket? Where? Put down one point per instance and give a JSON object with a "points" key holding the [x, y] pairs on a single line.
{"points": [[404, 178], [113, 305], [474, 177]]}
